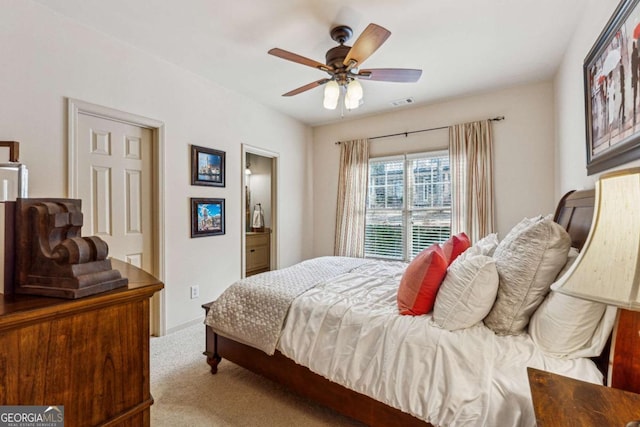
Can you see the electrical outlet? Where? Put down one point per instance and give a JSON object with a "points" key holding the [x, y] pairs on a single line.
{"points": [[195, 291]]}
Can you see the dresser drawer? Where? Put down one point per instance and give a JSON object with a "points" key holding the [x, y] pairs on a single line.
{"points": [[258, 259], [257, 239]]}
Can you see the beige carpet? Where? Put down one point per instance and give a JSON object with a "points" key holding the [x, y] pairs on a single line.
{"points": [[186, 394]]}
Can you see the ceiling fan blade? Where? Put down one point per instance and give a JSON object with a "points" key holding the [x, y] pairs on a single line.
{"points": [[369, 41], [306, 87], [400, 75], [294, 57]]}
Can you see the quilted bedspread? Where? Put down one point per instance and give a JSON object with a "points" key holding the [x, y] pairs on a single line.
{"points": [[252, 310]]}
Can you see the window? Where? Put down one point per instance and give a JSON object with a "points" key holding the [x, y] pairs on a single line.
{"points": [[408, 205]]}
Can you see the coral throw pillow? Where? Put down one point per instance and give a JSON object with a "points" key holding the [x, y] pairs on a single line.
{"points": [[455, 245], [421, 280]]}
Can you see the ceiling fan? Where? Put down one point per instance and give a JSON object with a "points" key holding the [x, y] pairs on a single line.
{"points": [[343, 62]]}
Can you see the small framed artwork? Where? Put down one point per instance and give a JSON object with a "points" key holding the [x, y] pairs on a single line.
{"points": [[207, 166], [612, 91], [207, 217]]}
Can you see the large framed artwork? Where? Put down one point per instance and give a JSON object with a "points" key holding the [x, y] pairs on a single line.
{"points": [[612, 91], [207, 217], [207, 166]]}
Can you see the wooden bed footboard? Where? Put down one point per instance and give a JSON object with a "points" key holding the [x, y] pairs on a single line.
{"points": [[301, 380]]}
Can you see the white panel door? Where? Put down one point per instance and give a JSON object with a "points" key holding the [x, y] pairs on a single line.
{"points": [[115, 185]]}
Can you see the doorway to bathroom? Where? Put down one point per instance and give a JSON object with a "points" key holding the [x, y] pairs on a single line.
{"points": [[259, 222]]}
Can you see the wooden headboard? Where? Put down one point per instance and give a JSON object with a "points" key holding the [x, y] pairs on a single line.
{"points": [[575, 213]]}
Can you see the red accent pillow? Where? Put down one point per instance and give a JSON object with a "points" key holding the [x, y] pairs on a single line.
{"points": [[421, 280], [455, 245]]}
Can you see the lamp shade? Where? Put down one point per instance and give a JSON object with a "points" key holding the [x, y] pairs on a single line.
{"points": [[608, 267]]}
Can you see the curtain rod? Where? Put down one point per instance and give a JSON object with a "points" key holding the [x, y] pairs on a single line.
{"points": [[495, 119]]}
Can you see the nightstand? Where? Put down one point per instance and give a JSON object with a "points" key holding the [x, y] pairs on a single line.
{"points": [[562, 401]]}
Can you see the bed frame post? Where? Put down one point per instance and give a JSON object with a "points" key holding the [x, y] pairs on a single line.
{"points": [[213, 358]]}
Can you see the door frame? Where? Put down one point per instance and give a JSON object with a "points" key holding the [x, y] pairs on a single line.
{"points": [[77, 107], [275, 246]]}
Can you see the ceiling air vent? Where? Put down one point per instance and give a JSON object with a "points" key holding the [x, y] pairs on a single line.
{"points": [[403, 101]]}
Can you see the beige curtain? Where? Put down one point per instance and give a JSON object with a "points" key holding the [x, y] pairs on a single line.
{"points": [[470, 151], [352, 197]]}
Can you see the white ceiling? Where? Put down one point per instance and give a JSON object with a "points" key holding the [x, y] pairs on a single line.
{"points": [[462, 46]]}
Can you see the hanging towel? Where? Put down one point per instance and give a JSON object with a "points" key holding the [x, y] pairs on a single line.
{"points": [[258, 217]]}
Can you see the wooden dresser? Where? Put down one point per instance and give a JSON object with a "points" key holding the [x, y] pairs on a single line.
{"points": [[90, 354], [258, 252]]}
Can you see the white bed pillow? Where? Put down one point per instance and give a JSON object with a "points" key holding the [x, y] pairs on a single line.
{"points": [[467, 292], [569, 327], [571, 258], [485, 246], [528, 260]]}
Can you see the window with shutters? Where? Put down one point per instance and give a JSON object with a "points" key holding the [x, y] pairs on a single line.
{"points": [[408, 204]]}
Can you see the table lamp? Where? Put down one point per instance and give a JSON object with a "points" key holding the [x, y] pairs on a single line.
{"points": [[608, 270]]}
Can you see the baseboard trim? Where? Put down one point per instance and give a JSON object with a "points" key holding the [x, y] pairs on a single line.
{"points": [[199, 320]]}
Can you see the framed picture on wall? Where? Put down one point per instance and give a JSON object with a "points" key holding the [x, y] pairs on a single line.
{"points": [[612, 91], [207, 217], [207, 166]]}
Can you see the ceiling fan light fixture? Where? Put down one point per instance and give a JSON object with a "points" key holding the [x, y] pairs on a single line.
{"points": [[353, 96], [343, 62], [350, 103], [331, 95]]}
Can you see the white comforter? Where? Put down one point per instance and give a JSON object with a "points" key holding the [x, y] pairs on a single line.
{"points": [[349, 331]]}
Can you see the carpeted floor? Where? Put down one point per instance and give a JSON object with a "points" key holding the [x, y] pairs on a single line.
{"points": [[186, 394]]}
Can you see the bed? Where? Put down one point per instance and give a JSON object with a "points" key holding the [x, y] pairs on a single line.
{"points": [[313, 354]]}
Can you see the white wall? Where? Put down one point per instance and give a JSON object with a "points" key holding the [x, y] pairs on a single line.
{"points": [[47, 58], [571, 154], [523, 150]]}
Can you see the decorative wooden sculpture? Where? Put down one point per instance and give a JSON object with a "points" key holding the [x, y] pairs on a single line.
{"points": [[52, 259]]}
